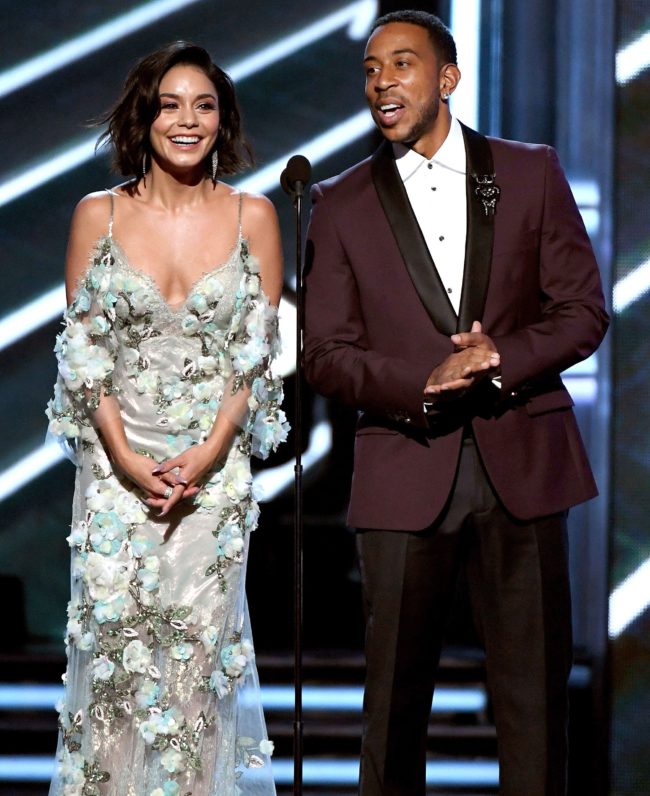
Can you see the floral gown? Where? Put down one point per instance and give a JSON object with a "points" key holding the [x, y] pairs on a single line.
{"points": [[161, 690]]}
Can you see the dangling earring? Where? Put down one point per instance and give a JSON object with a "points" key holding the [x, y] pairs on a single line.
{"points": [[144, 169], [215, 166]]}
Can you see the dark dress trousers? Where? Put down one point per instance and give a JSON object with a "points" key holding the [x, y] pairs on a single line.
{"points": [[484, 482]]}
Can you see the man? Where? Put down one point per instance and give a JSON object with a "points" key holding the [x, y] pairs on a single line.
{"points": [[449, 282]]}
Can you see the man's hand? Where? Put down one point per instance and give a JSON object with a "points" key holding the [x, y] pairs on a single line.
{"points": [[475, 357]]}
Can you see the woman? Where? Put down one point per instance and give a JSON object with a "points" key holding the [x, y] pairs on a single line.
{"points": [[164, 391]]}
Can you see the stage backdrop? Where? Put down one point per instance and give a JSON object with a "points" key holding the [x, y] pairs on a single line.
{"points": [[630, 575], [545, 74]]}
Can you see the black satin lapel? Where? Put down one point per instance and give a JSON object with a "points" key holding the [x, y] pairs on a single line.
{"points": [[480, 233], [411, 243]]}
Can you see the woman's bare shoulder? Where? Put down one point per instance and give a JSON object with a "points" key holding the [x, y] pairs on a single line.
{"points": [[93, 213], [257, 210]]}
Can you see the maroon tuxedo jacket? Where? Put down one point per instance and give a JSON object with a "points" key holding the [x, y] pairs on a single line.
{"points": [[378, 321]]}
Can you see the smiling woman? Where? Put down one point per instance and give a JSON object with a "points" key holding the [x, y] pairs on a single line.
{"points": [[185, 130], [141, 104], [164, 392]]}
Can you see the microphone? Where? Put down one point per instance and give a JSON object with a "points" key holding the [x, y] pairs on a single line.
{"points": [[296, 175]]}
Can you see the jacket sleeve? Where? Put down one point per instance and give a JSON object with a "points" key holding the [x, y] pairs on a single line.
{"points": [[338, 360], [572, 319]]}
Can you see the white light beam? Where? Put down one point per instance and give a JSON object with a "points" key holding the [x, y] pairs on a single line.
{"points": [[629, 600], [52, 166], [31, 316], [633, 59], [632, 286], [66, 53], [357, 17], [28, 468], [315, 150]]}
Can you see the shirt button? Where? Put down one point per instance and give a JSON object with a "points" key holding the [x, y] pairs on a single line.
{"points": [[429, 165], [433, 188], [441, 238], [449, 290]]}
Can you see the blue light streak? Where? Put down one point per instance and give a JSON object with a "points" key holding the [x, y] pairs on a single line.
{"points": [[347, 699], [449, 773]]}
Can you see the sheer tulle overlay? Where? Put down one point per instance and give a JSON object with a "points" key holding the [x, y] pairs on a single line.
{"points": [[161, 689]]}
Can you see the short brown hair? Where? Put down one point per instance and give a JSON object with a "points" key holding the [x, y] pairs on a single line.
{"points": [[130, 120]]}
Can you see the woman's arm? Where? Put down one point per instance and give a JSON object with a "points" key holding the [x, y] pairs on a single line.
{"points": [[89, 222]]}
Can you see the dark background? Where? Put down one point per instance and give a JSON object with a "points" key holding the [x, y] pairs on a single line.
{"points": [[546, 74]]}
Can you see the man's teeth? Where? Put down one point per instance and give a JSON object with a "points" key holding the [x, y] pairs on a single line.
{"points": [[185, 139], [389, 108]]}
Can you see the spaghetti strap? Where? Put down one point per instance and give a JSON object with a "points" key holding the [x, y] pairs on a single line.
{"points": [[110, 220], [241, 201]]}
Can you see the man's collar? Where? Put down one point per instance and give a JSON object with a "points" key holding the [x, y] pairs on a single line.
{"points": [[451, 154]]}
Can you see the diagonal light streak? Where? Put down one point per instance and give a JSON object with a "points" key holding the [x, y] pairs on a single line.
{"points": [[632, 286], [629, 600], [633, 59], [357, 17], [31, 316], [51, 167], [315, 150], [29, 467], [96, 39]]}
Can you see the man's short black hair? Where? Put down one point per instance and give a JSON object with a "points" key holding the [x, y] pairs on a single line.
{"points": [[439, 34]]}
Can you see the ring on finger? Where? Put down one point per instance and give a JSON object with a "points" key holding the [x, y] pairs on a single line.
{"points": [[168, 492]]}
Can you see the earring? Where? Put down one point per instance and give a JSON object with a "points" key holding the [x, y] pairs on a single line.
{"points": [[215, 165], [445, 95], [144, 169]]}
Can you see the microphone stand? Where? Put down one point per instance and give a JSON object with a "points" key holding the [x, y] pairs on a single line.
{"points": [[297, 521], [293, 181]]}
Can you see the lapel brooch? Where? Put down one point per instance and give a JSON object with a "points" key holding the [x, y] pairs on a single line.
{"points": [[487, 192]]}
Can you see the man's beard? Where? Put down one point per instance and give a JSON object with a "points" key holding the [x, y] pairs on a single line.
{"points": [[424, 123]]}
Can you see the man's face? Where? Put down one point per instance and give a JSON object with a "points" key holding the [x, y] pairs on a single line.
{"points": [[403, 84]]}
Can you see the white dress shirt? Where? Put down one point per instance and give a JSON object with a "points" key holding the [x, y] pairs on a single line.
{"points": [[436, 189]]}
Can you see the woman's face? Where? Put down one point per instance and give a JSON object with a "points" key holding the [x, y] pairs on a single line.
{"points": [[185, 130]]}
